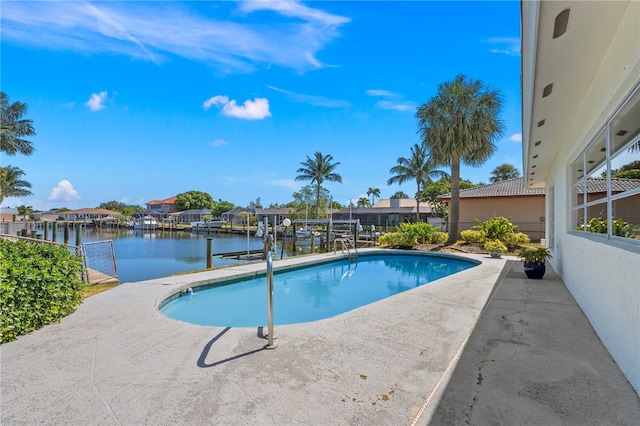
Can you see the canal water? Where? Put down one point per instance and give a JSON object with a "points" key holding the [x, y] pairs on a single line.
{"points": [[146, 255]]}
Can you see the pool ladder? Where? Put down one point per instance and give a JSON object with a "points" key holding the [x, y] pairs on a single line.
{"points": [[348, 245]]}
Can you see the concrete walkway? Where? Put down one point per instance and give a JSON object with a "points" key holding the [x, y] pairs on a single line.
{"points": [[399, 361], [534, 359]]}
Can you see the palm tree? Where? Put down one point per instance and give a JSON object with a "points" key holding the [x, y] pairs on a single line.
{"points": [[13, 127], [317, 170], [364, 202], [418, 168], [504, 172], [460, 124], [12, 184], [399, 194], [373, 193]]}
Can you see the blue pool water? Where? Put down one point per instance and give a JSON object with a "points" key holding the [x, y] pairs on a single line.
{"points": [[313, 292]]}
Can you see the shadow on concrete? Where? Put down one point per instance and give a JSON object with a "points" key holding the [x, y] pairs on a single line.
{"points": [[533, 359], [207, 348]]}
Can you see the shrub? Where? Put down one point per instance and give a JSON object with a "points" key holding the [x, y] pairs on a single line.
{"points": [[497, 227], [413, 234], [473, 236], [398, 239], [516, 240], [40, 284], [495, 245], [439, 237]]}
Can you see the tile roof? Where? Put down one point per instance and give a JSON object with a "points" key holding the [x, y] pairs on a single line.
{"points": [[171, 200], [89, 211], [506, 188], [597, 185]]}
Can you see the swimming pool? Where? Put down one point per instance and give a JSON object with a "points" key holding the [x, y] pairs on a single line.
{"points": [[313, 292]]}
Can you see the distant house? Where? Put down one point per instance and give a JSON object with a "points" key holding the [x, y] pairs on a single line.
{"points": [[161, 207], [49, 215], [195, 215], [388, 212], [279, 213], [236, 216], [8, 214], [508, 198], [88, 215]]}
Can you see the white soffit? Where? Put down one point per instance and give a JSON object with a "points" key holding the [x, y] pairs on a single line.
{"points": [[569, 62]]}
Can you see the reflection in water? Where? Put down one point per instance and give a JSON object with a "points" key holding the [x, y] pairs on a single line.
{"points": [[147, 255]]}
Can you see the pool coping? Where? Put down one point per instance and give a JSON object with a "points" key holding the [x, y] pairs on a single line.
{"points": [[119, 360]]}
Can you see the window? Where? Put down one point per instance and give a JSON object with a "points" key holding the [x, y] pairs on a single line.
{"points": [[605, 178]]}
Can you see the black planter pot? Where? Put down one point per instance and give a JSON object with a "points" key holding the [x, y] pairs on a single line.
{"points": [[534, 271]]}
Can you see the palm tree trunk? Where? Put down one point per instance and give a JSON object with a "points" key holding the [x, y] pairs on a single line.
{"points": [[454, 211], [418, 204], [317, 201]]}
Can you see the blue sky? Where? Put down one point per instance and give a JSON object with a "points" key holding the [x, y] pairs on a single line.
{"points": [[136, 101]]}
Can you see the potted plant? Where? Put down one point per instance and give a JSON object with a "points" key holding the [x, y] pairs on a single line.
{"points": [[495, 248], [534, 261]]}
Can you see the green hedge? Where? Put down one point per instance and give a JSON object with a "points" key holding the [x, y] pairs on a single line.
{"points": [[39, 284], [412, 234]]}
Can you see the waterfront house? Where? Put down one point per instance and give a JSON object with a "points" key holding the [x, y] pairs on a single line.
{"points": [[581, 121], [279, 213], [88, 215], [389, 212], [161, 208], [194, 215], [508, 198]]}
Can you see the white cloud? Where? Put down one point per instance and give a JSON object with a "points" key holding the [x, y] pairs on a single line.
{"points": [[64, 192], [378, 92], [313, 99], [392, 102], [256, 109], [516, 137], [219, 142], [396, 106], [285, 183], [509, 46], [156, 31], [96, 101], [215, 100], [124, 200]]}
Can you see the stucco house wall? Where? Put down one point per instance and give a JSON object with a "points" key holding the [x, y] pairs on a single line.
{"points": [[602, 273], [526, 212]]}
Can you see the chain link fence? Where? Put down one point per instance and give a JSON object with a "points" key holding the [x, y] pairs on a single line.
{"points": [[99, 261]]}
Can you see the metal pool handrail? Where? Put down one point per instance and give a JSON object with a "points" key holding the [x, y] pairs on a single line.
{"points": [[271, 344]]}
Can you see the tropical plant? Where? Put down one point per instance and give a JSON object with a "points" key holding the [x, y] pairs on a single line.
{"points": [[364, 202], [221, 207], [122, 208], [317, 170], [504, 172], [418, 168], [191, 200], [25, 211], [496, 228], [495, 245], [373, 193], [40, 284], [460, 125], [412, 234], [13, 127], [472, 236], [12, 184], [399, 194], [536, 256]]}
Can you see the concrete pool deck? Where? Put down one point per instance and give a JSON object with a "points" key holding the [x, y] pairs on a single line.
{"points": [[402, 360]]}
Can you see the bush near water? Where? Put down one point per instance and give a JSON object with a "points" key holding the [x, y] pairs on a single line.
{"points": [[413, 234], [39, 285]]}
